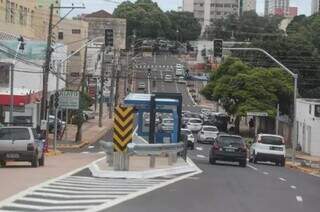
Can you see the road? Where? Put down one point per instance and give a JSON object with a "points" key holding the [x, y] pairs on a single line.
{"points": [[224, 187]]}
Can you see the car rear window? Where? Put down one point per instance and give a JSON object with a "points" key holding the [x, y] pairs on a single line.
{"points": [[272, 140], [230, 141], [20, 134], [210, 129], [195, 121], [5, 134]]}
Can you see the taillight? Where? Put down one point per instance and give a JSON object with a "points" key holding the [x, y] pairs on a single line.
{"points": [[30, 147]]}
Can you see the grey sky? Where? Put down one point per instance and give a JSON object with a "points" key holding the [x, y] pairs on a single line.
{"points": [[304, 6]]}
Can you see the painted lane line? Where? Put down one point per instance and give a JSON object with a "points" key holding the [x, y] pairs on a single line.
{"points": [[299, 198], [201, 156], [293, 187], [282, 179], [90, 147], [199, 148], [252, 167], [266, 173], [85, 152]]}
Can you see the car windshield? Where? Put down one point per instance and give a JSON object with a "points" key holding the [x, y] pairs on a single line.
{"points": [[272, 140], [210, 129], [230, 141], [197, 121]]}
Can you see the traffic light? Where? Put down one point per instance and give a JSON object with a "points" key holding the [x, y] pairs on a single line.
{"points": [[149, 72], [217, 48], [56, 99], [108, 37]]}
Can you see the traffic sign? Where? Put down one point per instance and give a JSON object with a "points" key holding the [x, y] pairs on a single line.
{"points": [[69, 99], [261, 114], [122, 127]]}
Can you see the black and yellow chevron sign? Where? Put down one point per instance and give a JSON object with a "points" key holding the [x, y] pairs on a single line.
{"points": [[122, 127]]}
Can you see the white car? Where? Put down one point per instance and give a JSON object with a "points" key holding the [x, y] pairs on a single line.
{"points": [[168, 78], [167, 125], [181, 80], [205, 111], [190, 137], [194, 124], [141, 86], [208, 134], [88, 114], [268, 147]]}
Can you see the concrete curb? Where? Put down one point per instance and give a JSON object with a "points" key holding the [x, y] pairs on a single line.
{"points": [[306, 170], [153, 173], [53, 153]]}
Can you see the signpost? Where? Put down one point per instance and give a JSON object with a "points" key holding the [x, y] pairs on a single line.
{"points": [[69, 100]]}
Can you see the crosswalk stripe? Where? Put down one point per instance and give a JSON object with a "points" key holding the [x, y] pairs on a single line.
{"points": [[76, 202], [97, 185], [88, 189], [57, 190], [68, 196]]}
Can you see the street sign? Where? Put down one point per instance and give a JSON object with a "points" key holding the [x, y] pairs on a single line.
{"points": [[122, 127], [260, 114], [69, 99]]}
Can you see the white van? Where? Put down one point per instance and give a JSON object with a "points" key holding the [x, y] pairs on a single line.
{"points": [[268, 147]]}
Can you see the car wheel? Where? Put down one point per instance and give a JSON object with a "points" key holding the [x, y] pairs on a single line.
{"points": [[35, 161], [243, 163], [192, 147], [254, 158], [41, 160], [212, 160], [283, 162], [2, 163]]}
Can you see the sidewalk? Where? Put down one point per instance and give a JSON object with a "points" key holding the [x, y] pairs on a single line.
{"points": [[91, 133]]}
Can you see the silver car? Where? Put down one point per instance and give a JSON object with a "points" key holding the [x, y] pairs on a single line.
{"points": [[21, 144]]}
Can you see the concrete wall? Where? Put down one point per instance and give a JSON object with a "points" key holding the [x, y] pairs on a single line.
{"points": [[308, 126]]}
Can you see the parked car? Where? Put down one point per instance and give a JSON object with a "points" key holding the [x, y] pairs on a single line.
{"points": [[229, 148], [142, 86], [219, 120], [208, 134], [88, 114], [51, 120], [194, 124], [205, 111], [167, 125], [21, 144], [267, 147], [168, 78], [190, 137], [181, 80]]}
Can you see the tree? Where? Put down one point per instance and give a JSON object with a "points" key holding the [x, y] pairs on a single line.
{"points": [[241, 88], [188, 26]]}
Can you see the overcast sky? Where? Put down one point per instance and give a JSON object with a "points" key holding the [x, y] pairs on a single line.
{"points": [[304, 6]]}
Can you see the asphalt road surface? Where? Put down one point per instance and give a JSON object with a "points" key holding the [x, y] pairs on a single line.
{"points": [[224, 187]]}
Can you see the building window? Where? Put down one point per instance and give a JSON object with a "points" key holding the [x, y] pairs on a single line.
{"points": [[60, 35], [201, 4], [76, 31], [317, 110]]}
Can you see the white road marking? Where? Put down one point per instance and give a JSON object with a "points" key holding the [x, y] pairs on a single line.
{"points": [[101, 152], [293, 187], [299, 198], [201, 156], [282, 179], [199, 148], [85, 152], [265, 173], [252, 167], [90, 147]]}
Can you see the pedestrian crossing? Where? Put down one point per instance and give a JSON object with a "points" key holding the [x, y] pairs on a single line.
{"points": [[78, 193]]}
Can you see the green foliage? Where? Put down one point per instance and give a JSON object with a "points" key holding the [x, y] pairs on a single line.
{"points": [[245, 28], [241, 88]]}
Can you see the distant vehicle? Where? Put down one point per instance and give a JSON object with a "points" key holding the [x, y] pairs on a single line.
{"points": [[194, 124], [205, 111], [179, 71], [168, 78], [267, 147], [167, 125], [208, 134], [60, 124], [88, 114], [181, 80], [219, 120], [21, 144], [142, 86], [229, 148], [190, 137]]}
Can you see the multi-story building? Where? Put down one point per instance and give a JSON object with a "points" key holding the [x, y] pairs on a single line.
{"points": [[206, 11], [74, 34], [276, 7], [247, 5], [315, 6]]}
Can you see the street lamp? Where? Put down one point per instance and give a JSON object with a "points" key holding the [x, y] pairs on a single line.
{"points": [[295, 77]]}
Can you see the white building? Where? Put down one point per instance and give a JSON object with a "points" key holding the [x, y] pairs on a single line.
{"points": [[206, 11], [315, 6], [247, 5], [308, 122]]}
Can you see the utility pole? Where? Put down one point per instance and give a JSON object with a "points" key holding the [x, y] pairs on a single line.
{"points": [[103, 70], [56, 109]]}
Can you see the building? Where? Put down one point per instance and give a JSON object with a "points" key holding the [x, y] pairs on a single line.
{"points": [[308, 125], [74, 34], [247, 5], [45, 4], [206, 11], [315, 6], [276, 7]]}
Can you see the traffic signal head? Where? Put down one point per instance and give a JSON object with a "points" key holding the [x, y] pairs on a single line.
{"points": [[108, 37], [56, 99], [217, 48]]}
